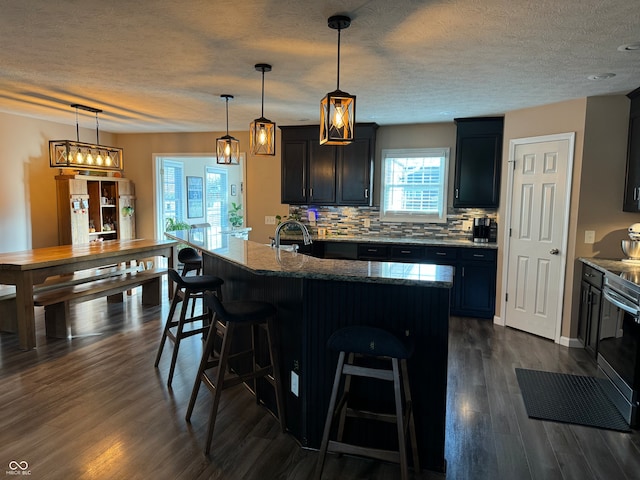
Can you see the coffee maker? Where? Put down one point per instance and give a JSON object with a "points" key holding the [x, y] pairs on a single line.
{"points": [[481, 229]]}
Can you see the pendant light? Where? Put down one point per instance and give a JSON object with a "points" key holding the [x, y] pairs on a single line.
{"points": [[262, 136], [337, 108], [227, 147]]}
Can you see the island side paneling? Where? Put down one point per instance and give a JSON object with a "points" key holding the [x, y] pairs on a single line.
{"points": [[309, 310]]}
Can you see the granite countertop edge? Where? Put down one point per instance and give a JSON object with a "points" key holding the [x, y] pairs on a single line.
{"points": [[264, 260], [605, 265]]}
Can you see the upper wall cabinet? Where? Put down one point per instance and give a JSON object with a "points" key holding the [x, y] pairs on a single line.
{"points": [[478, 160], [632, 181], [325, 174]]}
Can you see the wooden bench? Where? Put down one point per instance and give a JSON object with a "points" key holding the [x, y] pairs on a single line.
{"points": [[58, 293]]}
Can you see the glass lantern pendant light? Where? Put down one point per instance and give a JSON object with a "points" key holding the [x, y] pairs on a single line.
{"points": [[227, 147], [262, 136], [337, 108]]}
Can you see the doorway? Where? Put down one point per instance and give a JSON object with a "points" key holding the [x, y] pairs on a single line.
{"points": [[538, 203], [196, 190]]}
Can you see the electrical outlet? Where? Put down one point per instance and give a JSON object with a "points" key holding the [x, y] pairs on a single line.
{"points": [[311, 215], [294, 383], [589, 236], [367, 222], [269, 220]]}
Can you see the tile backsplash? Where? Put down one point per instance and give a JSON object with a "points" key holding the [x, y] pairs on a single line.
{"points": [[352, 221]]}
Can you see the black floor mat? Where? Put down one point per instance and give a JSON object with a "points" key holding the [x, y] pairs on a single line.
{"points": [[568, 398]]}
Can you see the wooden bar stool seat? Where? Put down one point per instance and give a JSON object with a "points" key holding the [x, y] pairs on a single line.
{"points": [[215, 370], [188, 289], [360, 342]]}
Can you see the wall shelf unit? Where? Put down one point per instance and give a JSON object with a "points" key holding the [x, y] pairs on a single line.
{"points": [[94, 209]]}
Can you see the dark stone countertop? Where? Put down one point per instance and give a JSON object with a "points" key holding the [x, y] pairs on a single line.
{"points": [[264, 260]]}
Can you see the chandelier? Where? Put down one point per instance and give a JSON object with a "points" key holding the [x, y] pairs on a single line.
{"points": [[84, 156]]}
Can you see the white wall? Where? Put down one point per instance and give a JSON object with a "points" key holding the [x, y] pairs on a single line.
{"points": [[28, 214]]}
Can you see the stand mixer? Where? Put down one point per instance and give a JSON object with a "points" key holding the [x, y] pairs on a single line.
{"points": [[631, 247]]}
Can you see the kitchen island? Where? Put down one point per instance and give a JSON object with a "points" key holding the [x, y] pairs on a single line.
{"points": [[314, 298]]}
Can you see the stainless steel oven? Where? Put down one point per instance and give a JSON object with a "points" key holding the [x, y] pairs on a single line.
{"points": [[619, 343]]}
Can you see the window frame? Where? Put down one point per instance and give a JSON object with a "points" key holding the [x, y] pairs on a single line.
{"points": [[417, 217]]}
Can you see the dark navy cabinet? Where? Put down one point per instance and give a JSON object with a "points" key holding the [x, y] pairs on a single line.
{"points": [[478, 161]]}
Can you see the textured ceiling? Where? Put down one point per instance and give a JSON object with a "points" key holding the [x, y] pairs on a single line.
{"points": [[161, 65]]}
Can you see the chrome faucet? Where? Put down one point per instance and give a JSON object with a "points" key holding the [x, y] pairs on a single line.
{"points": [[306, 236]]}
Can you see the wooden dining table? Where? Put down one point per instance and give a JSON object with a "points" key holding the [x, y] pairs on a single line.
{"points": [[28, 268]]}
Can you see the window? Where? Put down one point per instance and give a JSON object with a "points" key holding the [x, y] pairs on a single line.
{"points": [[172, 191], [414, 185], [217, 197]]}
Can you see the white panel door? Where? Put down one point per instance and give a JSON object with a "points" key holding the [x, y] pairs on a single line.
{"points": [[538, 223]]}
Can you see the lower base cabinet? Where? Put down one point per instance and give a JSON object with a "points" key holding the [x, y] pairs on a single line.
{"points": [[476, 288], [474, 284], [590, 301]]}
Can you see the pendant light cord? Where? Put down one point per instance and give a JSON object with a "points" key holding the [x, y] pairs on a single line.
{"points": [[77, 127], [227, 108], [97, 131], [262, 109], [338, 80]]}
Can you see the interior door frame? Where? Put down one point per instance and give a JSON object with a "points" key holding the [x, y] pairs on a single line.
{"points": [[156, 164], [513, 144]]}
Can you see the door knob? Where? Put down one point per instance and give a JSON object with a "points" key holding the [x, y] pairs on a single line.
{"points": [[554, 251]]}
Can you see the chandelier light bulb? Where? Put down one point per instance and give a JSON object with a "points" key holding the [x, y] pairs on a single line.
{"points": [[79, 157]]}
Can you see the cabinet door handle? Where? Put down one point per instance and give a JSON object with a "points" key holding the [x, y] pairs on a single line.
{"points": [[366, 193], [478, 255], [441, 254], [372, 250], [463, 271], [311, 192], [406, 252], [457, 193], [304, 192]]}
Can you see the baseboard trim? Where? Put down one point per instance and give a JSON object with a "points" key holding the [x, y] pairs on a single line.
{"points": [[571, 342], [498, 320]]}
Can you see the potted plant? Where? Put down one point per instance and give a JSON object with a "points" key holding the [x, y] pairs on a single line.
{"points": [[235, 217], [173, 224]]}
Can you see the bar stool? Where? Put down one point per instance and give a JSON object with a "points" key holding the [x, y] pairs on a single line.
{"points": [[190, 259], [227, 317], [187, 289], [363, 341]]}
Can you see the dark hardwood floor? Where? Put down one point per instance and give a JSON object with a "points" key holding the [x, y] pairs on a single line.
{"points": [[93, 407]]}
